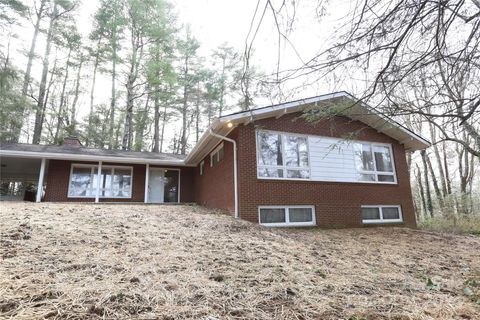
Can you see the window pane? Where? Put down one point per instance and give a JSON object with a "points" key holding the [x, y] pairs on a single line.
{"points": [[220, 154], [390, 213], [384, 177], [81, 183], [296, 154], [383, 159], [300, 214], [366, 177], [122, 181], [170, 190], [363, 157], [270, 172], [270, 149], [298, 174], [370, 213], [272, 216], [106, 182]]}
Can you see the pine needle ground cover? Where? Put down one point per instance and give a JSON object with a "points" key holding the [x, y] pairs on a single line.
{"points": [[86, 261]]}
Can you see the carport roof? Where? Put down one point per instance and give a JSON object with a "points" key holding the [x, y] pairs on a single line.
{"points": [[67, 152]]}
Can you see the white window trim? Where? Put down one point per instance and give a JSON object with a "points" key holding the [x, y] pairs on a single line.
{"points": [[395, 181], [375, 172], [179, 179], [287, 222], [215, 153], [381, 220], [202, 167], [283, 167], [94, 168]]}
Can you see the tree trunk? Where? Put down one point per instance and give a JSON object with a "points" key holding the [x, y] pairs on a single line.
{"points": [[438, 193], [62, 100], [164, 120], [197, 114], [156, 119], [183, 139], [428, 196], [28, 71], [438, 159], [113, 99], [73, 121], [422, 192], [92, 95], [39, 115], [447, 174]]}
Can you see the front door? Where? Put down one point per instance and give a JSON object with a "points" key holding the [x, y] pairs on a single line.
{"points": [[156, 185]]}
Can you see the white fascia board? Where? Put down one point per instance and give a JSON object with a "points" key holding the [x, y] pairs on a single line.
{"points": [[280, 107], [84, 157]]}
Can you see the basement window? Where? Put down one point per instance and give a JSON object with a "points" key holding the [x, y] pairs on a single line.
{"points": [[381, 214], [281, 216], [216, 156]]}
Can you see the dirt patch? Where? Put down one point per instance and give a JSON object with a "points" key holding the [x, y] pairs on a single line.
{"points": [[74, 261]]}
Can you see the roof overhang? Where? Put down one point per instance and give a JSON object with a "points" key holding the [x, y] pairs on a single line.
{"points": [[83, 157], [356, 110]]}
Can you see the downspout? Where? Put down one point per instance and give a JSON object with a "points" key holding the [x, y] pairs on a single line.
{"points": [[235, 182]]}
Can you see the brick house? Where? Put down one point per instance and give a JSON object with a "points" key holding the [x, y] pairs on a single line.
{"points": [[269, 166]]}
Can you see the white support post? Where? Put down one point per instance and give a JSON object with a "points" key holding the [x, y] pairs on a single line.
{"points": [[40, 181], [99, 182], [147, 177]]}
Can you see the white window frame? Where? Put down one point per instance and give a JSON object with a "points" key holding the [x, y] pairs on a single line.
{"points": [[287, 222], [381, 220], [375, 172], [202, 167], [215, 153], [283, 167], [94, 171]]}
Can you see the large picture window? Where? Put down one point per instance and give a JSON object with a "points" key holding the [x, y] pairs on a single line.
{"points": [[287, 216], [374, 163], [115, 182], [282, 156]]}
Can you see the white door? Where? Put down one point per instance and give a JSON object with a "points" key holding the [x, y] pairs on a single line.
{"points": [[156, 183]]}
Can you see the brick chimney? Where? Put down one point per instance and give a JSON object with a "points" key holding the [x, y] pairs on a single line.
{"points": [[72, 142]]}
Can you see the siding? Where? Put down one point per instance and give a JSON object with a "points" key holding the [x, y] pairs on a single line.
{"points": [[331, 159]]}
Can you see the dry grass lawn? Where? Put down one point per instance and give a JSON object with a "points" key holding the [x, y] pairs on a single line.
{"points": [[74, 261]]}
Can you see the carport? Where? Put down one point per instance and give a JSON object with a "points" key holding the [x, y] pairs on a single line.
{"points": [[21, 176]]}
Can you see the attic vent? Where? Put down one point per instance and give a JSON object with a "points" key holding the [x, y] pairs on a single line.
{"points": [[72, 142]]}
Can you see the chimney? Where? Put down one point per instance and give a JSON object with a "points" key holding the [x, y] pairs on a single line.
{"points": [[72, 142]]}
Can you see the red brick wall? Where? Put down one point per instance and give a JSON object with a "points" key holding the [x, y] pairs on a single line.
{"points": [[336, 204], [58, 176], [215, 189]]}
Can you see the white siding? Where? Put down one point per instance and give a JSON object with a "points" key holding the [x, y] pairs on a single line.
{"points": [[332, 159]]}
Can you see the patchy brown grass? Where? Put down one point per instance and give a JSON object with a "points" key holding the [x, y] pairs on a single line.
{"points": [[74, 261]]}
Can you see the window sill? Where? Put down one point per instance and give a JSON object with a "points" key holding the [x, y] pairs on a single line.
{"points": [[288, 225], [326, 181]]}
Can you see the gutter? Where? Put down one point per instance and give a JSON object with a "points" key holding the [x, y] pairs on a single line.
{"points": [[84, 157], [235, 181]]}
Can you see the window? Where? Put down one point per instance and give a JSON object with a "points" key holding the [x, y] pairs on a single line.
{"points": [[374, 163], [115, 182], [202, 167], [216, 156], [381, 214], [277, 216], [282, 156]]}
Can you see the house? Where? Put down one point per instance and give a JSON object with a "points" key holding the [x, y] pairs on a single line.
{"points": [[269, 166]]}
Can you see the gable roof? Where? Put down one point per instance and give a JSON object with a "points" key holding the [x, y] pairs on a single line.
{"points": [[67, 152], [357, 110]]}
